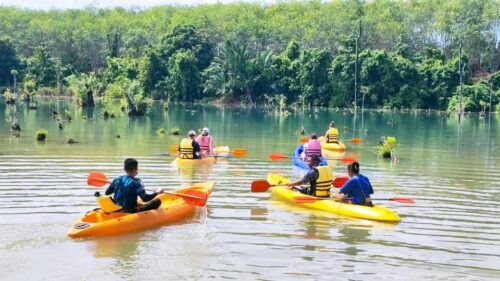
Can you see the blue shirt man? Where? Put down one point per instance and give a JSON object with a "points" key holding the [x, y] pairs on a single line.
{"points": [[357, 189]]}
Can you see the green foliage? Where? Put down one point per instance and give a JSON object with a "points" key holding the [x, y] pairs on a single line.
{"points": [[137, 104], [184, 80], [161, 131], [83, 88], [386, 148], [41, 67], [29, 88], [41, 134], [175, 131], [9, 97], [475, 97], [8, 61]]}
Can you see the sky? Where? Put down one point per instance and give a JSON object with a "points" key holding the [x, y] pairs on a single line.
{"points": [[76, 4]]}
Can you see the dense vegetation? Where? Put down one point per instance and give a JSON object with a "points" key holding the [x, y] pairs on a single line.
{"points": [[294, 53]]}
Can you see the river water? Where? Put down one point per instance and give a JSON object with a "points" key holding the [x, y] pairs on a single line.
{"points": [[450, 169]]}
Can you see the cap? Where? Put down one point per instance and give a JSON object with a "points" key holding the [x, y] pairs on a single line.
{"points": [[206, 130], [191, 133]]}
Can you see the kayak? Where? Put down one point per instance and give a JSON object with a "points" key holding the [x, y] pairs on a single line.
{"points": [[219, 151], [172, 208], [377, 212], [299, 162], [331, 146]]}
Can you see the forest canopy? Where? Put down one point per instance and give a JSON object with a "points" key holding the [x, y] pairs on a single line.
{"points": [[299, 52]]}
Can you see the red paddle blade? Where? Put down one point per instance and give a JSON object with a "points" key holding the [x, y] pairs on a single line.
{"points": [[277, 156], [304, 139], [194, 197], [356, 140], [260, 186], [97, 179], [348, 160], [340, 181], [305, 199], [403, 199]]}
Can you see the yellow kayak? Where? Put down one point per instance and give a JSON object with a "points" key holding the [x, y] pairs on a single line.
{"points": [[377, 212], [172, 208], [332, 146], [219, 151]]}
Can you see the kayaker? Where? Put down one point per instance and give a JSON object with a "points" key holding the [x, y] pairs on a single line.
{"points": [[205, 141], [313, 147], [357, 189], [189, 147], [318, 178], [127, 188], [332, 135]]}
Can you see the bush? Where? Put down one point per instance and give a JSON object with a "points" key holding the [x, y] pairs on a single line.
{"points": [[9, 97], [161, 130], [41, 135], [386, 148]]}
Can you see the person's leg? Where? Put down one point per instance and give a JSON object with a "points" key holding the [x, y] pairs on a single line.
{"points": [[151, 205], [302, 189]]}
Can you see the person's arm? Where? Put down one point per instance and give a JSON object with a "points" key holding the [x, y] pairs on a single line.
{"points": [[304, 180], [111, 188], [141, 192]]}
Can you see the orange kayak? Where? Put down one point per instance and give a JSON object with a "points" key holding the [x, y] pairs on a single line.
{"points": [[172, 208]]}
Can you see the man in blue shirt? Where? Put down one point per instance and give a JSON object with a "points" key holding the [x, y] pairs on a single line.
{"points": [[358, 188], [127, 188]]}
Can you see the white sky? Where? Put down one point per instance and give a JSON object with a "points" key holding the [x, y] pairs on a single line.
{"points": [[76, 4]]}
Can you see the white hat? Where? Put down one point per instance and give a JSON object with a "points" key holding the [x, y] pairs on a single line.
{"points": [[191, 133], [206, 130]]}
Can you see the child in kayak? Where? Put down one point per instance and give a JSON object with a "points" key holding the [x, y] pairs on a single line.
{"points": [[332, 135], [310, 178], [357, 189], [205, 141], [127, 188]]}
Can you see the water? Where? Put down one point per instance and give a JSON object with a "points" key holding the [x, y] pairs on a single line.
{"points": [[451, 170]]}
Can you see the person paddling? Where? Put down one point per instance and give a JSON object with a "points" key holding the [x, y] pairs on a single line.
{"points": [[189, 147], [357, 189], [318, 178], [205, 141], [127, 188], [332, 135], [313, 147]]}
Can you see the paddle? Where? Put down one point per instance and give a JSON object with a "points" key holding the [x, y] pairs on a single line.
{"points": [[309, 199], [191, 196], [278, 156], [261, 186], [353, 140]]}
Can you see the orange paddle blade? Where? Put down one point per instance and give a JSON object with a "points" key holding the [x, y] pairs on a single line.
{"points": [[403, 199], [304, 139], [277, 156], [340, 181], [194, 197], [260, 186], [97, 179], [356, 140], [239, 152], [174, 148]]}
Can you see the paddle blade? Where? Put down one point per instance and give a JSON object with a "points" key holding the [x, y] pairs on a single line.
{"points": [[277, 156], [195, 197], [403, 199], [97, 179], [174, 148], [304, 199], [260, 186], [303, 139], [356, 140], [348, 160], [340, 181], [239, 152]]}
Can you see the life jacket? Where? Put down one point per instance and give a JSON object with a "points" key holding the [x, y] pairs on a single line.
{"points": [[321, 187], [186, 150], [313, 148], [205, 143], [107, 204], [333, 135]]}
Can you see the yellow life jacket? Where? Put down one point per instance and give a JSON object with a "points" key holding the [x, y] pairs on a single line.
{"points": [[107, 204], [186, 149], [324, 182], [333, 135]]}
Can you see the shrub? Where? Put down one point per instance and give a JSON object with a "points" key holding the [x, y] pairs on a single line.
{"points": [[41, 135]]}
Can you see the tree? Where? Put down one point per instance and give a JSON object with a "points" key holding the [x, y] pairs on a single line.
{"points": [[8, 61], [42, 67], [184, 80]]}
